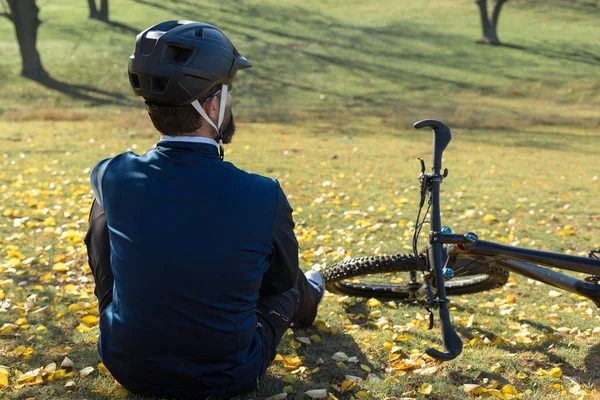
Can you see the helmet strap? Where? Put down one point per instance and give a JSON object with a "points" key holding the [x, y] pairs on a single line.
{"points": [[196, 104]]}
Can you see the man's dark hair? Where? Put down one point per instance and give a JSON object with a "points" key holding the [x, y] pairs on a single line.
{"points": [[179, 121]]}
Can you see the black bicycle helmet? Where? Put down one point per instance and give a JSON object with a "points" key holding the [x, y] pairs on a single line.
{"points": [[177, 62]]}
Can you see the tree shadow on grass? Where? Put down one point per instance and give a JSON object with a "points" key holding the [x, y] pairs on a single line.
{"points": [[535, 140], [95, 96], [329, 371], [592, 373], [123, 27], [537, 355], [564, 52]]}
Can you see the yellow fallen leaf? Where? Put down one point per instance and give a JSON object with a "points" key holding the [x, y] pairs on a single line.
{"points": [[510, 389], [60, 267], [278, 357], [295, 344], [59, 374], [425, 388], [554, 372], [362, 395], [70, 288], [347, 385], [292, 363], [30, 376], [90, 320], [372, 302], [3, 378], [102, 369], [59, 315], [83, 328], [489, 218]]}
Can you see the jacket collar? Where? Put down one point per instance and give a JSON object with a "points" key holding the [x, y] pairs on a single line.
{"points": [[205, 148], [188, 139]]}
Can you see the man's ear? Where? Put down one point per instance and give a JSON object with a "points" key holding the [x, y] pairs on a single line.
{"points": [[211, 108]]}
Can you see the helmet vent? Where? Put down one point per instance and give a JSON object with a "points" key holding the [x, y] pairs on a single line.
{"points": [[177, 54], [200, 32], [135, 80], [159, 84]]}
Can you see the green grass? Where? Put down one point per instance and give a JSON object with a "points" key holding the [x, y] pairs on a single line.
{"points": [[325, 59], [355, 173], [327, 110]]}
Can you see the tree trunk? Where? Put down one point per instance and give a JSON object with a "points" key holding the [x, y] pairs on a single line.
{"points": [[93, 9], [24, 15], [490, 33], [496, 12], [100, 14], [103, 11]]}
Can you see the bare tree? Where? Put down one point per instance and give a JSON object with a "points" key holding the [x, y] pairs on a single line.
{"points": [[24, 16], [100, 14], [490, 27]]}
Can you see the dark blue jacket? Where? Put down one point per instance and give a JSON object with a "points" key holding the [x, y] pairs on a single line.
{"points": [[191, 237]]}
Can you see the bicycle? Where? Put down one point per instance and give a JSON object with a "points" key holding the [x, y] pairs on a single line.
{"points": [[455, 264]]}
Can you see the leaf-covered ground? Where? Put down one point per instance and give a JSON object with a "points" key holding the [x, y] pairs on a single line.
{"points": [[326, 109], [353, 195]]}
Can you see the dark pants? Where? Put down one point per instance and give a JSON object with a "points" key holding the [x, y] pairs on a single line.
{"points": [[274, 314]]}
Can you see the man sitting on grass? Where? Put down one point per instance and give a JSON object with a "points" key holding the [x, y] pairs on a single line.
{"points": [[195, 261]]}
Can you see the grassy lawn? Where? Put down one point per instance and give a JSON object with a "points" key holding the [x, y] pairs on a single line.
{"points": [[327, 110]]}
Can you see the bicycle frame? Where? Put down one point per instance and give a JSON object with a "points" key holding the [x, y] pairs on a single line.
{"points": [[514, 259]]}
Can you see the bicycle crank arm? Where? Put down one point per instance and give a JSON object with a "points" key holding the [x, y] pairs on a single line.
{"points": [[452, 342]]}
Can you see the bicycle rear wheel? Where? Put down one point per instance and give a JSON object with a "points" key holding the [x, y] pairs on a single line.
{"points": [[378, 277]]}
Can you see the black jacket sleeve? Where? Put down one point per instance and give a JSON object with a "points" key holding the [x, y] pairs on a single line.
{"points": [[282, 275]]}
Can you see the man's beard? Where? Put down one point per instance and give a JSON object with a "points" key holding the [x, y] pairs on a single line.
{"points": [[227, 131]]}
